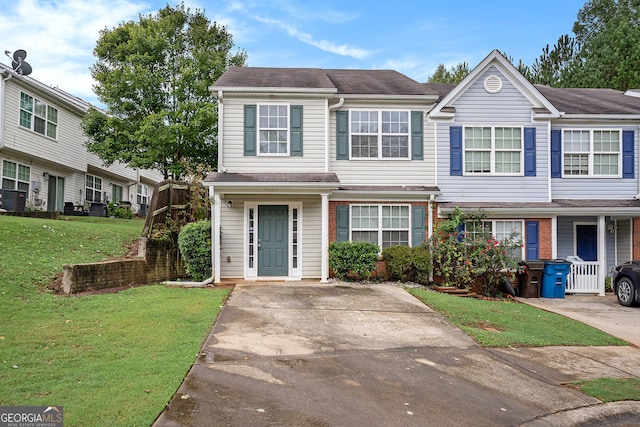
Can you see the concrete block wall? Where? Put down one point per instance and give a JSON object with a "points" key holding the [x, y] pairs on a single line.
{"points": [[158, 261]]}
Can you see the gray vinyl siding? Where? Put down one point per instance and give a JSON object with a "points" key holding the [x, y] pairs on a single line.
{"points": [[508, 107], [623, 241], [386, 172], [234, 159], [597, 188], [232, 238]]}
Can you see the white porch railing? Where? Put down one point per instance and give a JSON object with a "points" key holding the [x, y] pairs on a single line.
{"points": [[583, 278]]}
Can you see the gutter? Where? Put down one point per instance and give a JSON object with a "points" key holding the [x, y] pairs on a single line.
{"points": [[2, 105], [327, 137]]}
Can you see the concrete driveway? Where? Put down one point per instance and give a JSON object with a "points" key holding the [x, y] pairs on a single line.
{"points": [[601, 312], [310, 354]]}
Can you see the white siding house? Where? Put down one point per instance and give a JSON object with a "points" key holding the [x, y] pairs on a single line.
{"points": [[43, 153]]}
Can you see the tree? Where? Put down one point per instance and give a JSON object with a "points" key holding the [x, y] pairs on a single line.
{"points": [[153, 77], [557, 66], [454, 75]]}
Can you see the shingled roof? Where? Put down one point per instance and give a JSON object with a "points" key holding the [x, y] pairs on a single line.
{"points": [[341, 82], [590, 101]]}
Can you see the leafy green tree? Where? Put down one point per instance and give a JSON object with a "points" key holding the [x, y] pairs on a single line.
{"points": [[153, 77], [454, 75], [556, 66]]}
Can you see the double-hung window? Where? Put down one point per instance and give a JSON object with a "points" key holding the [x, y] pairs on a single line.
{"points": [[379, 134], [493, 150], [384, 225], [498, 229], [592, 152], [142, 196], [15, 176], [273, 129], [93, 189], [37, 116]]}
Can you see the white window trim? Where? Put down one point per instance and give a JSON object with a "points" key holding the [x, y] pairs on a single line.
{"points": [[591, 153], [522, 233], [17, 177], [251, 273], [492, 159], [380, 229], [144, 195], [258, 129], [380, 111], [94, 189], [33, 115]]}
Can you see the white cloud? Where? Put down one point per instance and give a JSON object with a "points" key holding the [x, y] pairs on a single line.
{"points": [[59, 37], [327, 46]]}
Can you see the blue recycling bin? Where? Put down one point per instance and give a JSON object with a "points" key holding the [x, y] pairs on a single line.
{"points": [[554, 278]]}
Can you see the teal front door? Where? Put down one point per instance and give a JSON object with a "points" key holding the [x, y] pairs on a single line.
{"points": [[273, 240]]}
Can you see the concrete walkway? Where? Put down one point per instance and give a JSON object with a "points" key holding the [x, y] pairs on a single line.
{"points": [[310, 354]]}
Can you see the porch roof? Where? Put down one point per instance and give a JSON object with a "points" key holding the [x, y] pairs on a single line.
{"points": [[558, 206], [261, 182]]}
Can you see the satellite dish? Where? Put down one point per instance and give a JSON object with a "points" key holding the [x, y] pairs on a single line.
{"points": [[18, 63]]}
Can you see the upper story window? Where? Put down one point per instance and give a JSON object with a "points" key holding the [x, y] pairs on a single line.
{"points": [[273, 129], [142, 196], [384, 225], [93, 189], [15, 176], [493, 150], [592, 152], [38, 116], [379, 134]]}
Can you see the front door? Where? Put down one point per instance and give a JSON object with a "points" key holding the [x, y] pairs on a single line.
{"points": [[273, 240], [587, 241]]}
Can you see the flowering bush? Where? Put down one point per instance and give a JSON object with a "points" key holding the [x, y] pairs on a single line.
{"points": [[460, 257]]}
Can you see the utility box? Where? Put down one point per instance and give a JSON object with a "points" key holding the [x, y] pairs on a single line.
{"points": [[530, 280], [554, 279]]}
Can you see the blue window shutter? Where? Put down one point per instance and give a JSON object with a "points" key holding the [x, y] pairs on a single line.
{"points": [[296, 130], [529, 151], [461, 230], [532, 238], [417, 139], [556, 153], [342, 135], [342, 223], [417, 225], [455, 150], [250, 120], [628, 151]]}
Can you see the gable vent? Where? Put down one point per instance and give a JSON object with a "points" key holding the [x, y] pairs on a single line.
{"points": [[493, 84]]}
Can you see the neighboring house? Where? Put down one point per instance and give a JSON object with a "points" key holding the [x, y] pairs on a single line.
{"points": [[309, 156], [43, 153], [560, 166]]}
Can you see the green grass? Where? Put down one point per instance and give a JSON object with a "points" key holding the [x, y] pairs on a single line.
{"points": [[512, 324], [610, 389], [110, 359]]}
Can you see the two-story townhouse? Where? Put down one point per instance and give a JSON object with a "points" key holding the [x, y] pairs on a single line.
{"points": [[309, 156], [559, 166], [43, 153]]}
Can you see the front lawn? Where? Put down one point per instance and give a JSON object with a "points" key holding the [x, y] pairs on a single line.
{"points": [[109, 359], [506, 323]]}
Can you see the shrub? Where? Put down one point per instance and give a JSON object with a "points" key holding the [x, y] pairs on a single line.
{"points": [[194, 242], [353, 259], [407, 264]]}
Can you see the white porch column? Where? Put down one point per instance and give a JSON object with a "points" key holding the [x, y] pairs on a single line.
{"points": [[215, 236], [602, 253], [554, 237], [324, 278]]}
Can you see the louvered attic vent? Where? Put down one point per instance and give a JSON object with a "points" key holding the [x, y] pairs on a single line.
{"points": [[493, 84]]}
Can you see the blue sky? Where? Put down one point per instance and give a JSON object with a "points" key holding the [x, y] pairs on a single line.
{"points": [[412, 37]]}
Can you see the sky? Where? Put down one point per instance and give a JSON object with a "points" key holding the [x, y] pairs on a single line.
{"points": [[411, 36]]}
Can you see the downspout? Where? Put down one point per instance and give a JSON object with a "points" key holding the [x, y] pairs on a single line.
{"points": [[220, 138], [2, 106], [432, 199], [327, 137]]}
